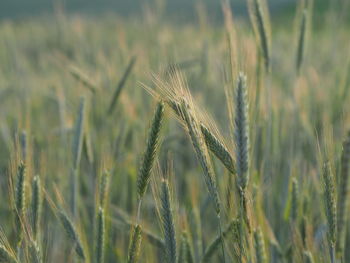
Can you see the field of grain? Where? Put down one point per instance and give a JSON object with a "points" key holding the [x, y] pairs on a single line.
{"points": [[141, 139]]}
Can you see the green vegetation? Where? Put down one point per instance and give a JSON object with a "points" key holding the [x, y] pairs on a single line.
{"points": [[144, 140]]}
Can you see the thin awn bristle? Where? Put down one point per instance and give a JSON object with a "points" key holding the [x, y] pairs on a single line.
{"points": [[36, 206], [343, 196], [168, 223], [135, 245], [331, 209], [72, 234], [151, 150], [121, 84]]}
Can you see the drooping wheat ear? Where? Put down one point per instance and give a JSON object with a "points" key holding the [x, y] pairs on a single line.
{"points": [[343, 195], [308, 257], [121, 84], [72, 234], [241, 132], [6, 255], [331, 209], [295, 200], [260, 21], [100, 240], [203, 157], [135, 245], [215, 244], [218, 149], [213, 143], [76, 150], [176, 91], [185, 253], [301, 41], [35, 253], [201, 152], [151, 150], [20, 198], [36, 205], [259, 246], [104, 189], [168, 223]]}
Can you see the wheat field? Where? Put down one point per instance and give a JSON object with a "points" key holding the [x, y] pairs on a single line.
{"points": [[141, 139]]}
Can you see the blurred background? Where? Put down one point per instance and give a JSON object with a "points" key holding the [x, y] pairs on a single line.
{"points": [[174, 8], [62, 59]]}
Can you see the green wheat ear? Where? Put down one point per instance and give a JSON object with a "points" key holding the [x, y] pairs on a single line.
{"points": [[20, 199], [214, 245], [77, 146], [135, 245], [301, 41], [241, 133], [331, 210], [295, 200], [100, 240], [35, 253], [72, 234], [121, 85], [104, 189], [259, 246], [151, 150], [218, 148], [168, 223], [36, 206], [343, 195], [185, 253], [261, 28]]}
